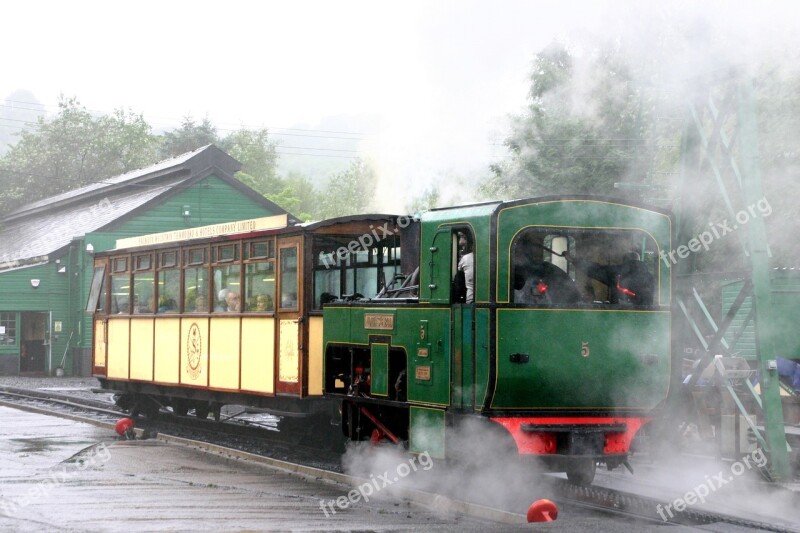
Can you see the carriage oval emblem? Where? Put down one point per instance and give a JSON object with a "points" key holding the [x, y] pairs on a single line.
{"points": [[194, 348], [585, 349]]}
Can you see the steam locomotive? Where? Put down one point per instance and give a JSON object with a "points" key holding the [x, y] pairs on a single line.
{"points": [[543, 323]]}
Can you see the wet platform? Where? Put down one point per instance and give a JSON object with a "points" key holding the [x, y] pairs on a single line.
{"points": [[60, 475]]}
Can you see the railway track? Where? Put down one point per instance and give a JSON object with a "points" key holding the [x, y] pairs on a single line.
{"points": [[232, 437]]}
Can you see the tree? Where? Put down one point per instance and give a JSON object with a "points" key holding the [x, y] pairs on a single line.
{"points": [[429, 199], [258, 156], [189, 136], [74, 149], [577, 136], [349, 192]]}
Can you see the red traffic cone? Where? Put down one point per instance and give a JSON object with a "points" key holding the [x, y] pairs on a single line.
{"points": [[542, 511]]}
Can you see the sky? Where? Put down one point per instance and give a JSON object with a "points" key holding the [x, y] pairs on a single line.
{"points": [[423, 88]]}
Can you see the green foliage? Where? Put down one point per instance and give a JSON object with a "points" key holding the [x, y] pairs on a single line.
{"points": [[73, 149], [428, 200], [584, 129], [189, 136], [258, 156], [349, 192]]}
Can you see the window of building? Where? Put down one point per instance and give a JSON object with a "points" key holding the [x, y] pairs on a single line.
{"points": [[8, 329]]}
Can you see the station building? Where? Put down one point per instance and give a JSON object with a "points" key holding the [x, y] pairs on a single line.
{"points": [[46, 249]]}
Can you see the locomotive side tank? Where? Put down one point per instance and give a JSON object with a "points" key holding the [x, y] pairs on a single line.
{"points": [[561, 345]]}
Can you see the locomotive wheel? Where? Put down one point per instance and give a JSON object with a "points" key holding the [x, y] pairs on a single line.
{"points": [[581, 471]]}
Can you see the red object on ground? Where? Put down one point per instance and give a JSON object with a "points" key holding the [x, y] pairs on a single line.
{"points": [[542, 511], [123, 425]]}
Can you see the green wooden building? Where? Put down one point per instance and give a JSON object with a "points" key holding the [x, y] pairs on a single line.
{"points": [[46, 249]]}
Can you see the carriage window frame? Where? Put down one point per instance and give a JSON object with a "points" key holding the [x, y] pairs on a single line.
{"points": [[189, 258], [333, 253], [97, 292], [250, 252], [143, 304], [288, 272], [120, 270], [143, 262], [168, 259], [119, 265], [190, 263], [221, 251], [251, 255], [218, 262]]}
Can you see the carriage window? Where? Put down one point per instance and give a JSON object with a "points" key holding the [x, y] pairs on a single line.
{"points": [[195, 290], [144, 293], [97, 293], [120, 294], [260, 250], [120, 264], [260, 287], [169, 286], [340, 270], [143, 262], [169, 259], [226, 253], [288, 278], [227, 290], [583, 267]]}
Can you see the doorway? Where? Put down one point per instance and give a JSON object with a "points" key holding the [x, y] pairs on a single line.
{"points": [[34, 345]]}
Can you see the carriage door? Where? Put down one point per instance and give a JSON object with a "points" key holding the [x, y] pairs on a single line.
{"points": [[289, 338]]}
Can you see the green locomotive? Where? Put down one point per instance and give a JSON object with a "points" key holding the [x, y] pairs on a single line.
{"points": [[560, 344]]}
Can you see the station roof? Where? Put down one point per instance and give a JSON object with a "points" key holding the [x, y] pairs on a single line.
{"points": [[40, 229]]}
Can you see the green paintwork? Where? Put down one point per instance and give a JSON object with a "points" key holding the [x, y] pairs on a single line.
{"points": [[434, 266], [590, 358], [380, 369], [435, 390], [582, 359]]}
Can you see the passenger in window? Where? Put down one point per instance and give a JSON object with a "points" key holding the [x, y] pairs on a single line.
{"points": [[228, 301], [466, 265], [629, 281], [263, 303], [201, 304], [233, 303]]}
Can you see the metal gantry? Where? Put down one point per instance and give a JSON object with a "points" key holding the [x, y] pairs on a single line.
{"points": [[721, 144]]}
